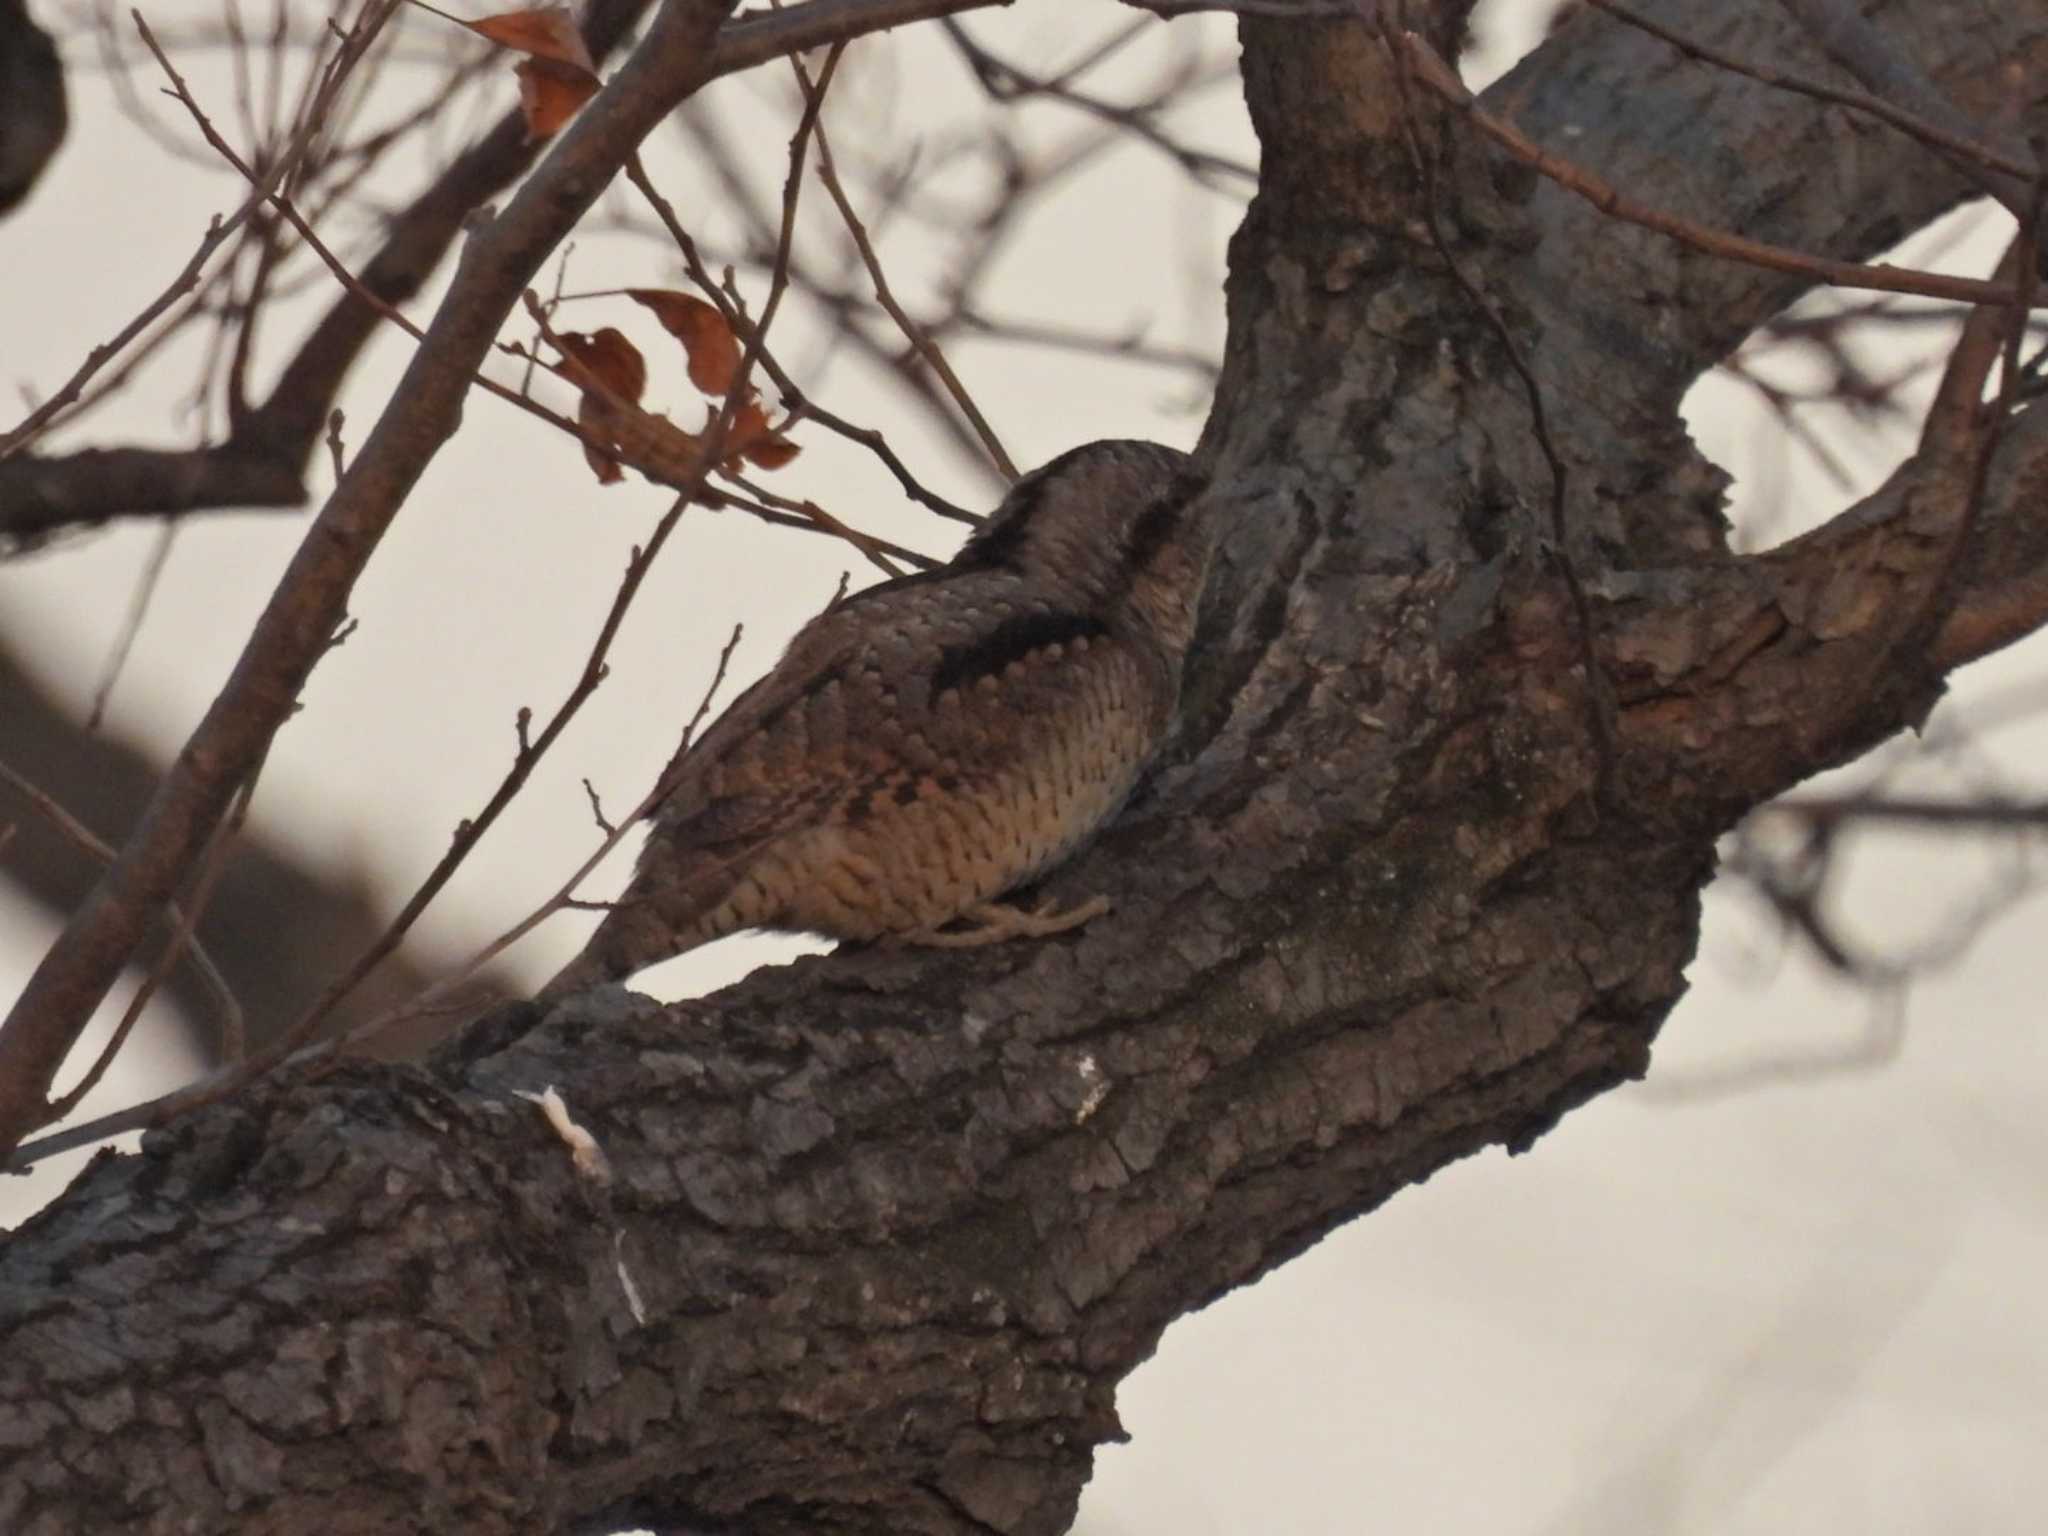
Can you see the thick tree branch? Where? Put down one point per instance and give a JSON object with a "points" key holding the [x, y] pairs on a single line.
{"points": [[1732, 153], [1747, 677], [906, 1217]]}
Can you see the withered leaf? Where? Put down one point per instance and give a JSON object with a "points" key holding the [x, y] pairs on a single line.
{"points": [[550, 93], [604, 358], [545, 31], [713, 350], [557, 76], [753, 439]]}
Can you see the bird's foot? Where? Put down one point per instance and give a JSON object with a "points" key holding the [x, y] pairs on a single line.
{"points": [[994, 921]]}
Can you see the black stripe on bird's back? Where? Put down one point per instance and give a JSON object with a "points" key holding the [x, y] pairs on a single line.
{"points": [[1161, 521], [962, 666], [992, 547]]}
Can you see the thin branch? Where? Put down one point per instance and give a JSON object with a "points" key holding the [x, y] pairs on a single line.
{"points": [[1131, 346], [803, 408], [915, 334], [1006, 82], [280, 1050], [301, 616], [1796, 888], [1281, 10], [81, 836], [793, 396], [1913, 811], [234, 1041], [472, 829], [754, 339], [261, 463], [755, 40], [564, 897], [1957, 446], [1850, 40], [368, 24], [131, 623], [808, 514], [687, 477]]}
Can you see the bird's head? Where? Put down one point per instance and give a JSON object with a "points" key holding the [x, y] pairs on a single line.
{"points": [[1118, 523]]}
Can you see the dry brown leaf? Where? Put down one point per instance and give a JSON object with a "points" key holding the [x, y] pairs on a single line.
{"points": [[557, 75], [753, 439], [613, 375], [595, 418], [713, 350], [550, 93], [604, 359], [545, 31]]}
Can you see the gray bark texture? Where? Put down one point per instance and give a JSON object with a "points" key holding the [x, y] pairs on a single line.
{"points": [[884, 1230]]}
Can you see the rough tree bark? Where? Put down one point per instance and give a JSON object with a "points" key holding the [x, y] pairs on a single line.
{"points": [[885, 1230]]}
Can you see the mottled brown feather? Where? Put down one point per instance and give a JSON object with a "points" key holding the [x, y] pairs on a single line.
{"points": [[937, 740]]}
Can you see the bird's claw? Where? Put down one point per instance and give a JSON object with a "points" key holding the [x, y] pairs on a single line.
{"points": [[995, 921]]}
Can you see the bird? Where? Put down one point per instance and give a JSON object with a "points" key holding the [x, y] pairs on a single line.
{"points": [[935, 741]]}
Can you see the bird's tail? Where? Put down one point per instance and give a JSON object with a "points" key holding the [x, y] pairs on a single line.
{"points": [[633, 935], [587, 970]]}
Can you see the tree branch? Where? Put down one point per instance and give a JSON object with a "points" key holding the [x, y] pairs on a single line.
{"points": [[295, 627], [262, 462], [1732, 153], [1748, 677], [883, 1231]]}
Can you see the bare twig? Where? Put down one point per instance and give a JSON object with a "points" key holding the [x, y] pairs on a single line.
{"points": [[754, 339], [756, 39], [357, 42], [260, 464], [234, 1042], [1007, 82], [335, 422], [231, 1079], [1846, 36], [791, 513], [564, 896], [662, 469], [83, 837], [1961, 439], [1282, 10], [131, 622], [912, 331], [301, 615], [1795, 883], [1130, 347], [792, 395], [597, 808], [472, 829], [1913, 811]]}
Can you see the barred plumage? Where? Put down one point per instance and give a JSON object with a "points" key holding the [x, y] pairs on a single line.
{"points": [[937, 740]]}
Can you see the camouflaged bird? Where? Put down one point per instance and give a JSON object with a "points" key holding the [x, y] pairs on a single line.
{"points": [[937, 740]]}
